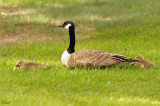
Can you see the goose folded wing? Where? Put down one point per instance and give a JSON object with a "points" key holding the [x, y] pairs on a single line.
{"points": [[96, 58]]}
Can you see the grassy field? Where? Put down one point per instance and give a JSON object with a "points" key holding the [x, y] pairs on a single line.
{"points": [[28, 30]]}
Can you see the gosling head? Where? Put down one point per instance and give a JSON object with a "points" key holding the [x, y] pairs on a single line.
{"points": [[20, 63], [68, 25], [139, 57]]}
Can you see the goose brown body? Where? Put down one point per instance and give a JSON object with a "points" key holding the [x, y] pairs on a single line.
{"points": [[95, 58]]}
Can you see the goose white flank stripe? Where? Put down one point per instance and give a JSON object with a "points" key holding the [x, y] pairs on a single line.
{"points": [[88, 57]]}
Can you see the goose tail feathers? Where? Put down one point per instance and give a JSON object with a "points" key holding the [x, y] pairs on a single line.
{"points": [[121, 58]]}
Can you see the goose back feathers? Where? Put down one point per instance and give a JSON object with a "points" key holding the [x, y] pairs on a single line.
{"points": [[95, 58]]}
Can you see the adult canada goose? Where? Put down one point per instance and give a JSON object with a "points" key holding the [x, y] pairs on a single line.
{"points": [[22, 65], [142, 62], [88, 57]]}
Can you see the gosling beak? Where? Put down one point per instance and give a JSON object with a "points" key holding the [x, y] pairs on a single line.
{"points": [[17, 65], [60, 25]]}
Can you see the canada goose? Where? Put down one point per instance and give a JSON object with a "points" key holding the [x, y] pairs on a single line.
{"points": [[88, 57], [22, 65], [142, 62]]}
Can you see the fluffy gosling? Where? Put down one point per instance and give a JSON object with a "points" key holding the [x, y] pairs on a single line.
{"points": [[142, 62], [22, 65]]}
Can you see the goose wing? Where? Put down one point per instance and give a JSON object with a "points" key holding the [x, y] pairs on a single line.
{"points": [[96, 58]]}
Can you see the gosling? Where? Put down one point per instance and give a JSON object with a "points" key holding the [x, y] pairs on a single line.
{"points": [[142, 62], [22, 65]]}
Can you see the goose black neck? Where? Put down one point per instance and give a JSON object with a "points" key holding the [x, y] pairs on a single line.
{"points": [[72, 41]]}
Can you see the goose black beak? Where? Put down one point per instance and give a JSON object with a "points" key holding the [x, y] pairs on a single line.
{"points": [[60, 25], [17, 65]]}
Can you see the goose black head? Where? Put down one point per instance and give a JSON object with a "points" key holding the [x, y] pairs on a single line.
{"points": [[67, 25]]}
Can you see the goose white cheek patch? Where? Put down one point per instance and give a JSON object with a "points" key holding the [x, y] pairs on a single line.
{"points": [[67, 26]]}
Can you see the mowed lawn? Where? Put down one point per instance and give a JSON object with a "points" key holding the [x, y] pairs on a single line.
{"points": [[28, 30]]}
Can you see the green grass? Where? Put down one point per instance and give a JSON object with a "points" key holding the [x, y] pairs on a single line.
{"points": [[28, 30]]}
